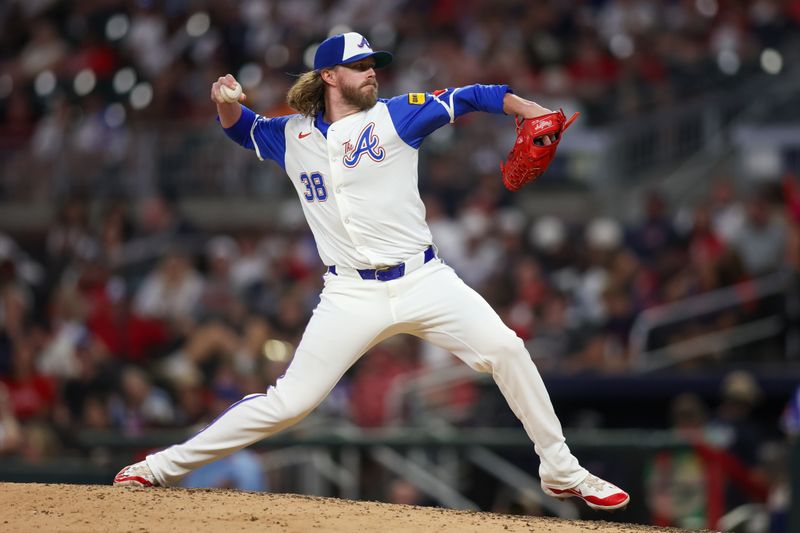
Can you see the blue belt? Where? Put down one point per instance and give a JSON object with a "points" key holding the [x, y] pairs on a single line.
{"points": [[388, 273]]}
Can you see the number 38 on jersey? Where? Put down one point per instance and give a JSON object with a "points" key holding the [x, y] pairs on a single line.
{"points": [[315, 187]]}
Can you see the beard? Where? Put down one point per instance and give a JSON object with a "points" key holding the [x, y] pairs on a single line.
{"points": [[363, 97]]}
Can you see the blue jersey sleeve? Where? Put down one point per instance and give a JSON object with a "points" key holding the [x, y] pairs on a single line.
{"points": [[417, 115], [264, 135]]}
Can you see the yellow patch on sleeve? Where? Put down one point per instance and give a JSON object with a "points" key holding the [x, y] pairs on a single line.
{"points": [[416, 98]]}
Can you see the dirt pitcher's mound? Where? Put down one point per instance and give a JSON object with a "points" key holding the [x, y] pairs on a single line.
{"points": [[37, 507]]}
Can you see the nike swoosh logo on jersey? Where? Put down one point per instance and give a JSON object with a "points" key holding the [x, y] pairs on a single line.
{"points": [[302, 135]]}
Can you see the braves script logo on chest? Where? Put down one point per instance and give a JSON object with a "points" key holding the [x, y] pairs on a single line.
{"points": [[367, 143]]}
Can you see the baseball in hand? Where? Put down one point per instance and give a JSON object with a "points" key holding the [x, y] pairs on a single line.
{"points": [[230, 95]]}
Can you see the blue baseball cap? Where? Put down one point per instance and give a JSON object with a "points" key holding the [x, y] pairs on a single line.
{"points": [[347, 48]]}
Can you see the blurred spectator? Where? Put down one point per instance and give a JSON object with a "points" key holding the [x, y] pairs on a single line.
{"points": [[620, 314], [171, 292], [705, 250], [548, 237], [158, 217], [599, 354], [115, 231], [44, 50], [58, 358], [655, 238], [555, 336], [727, 212], [593, 71], [447, 232], [10, 432], [138, 404], [481, 254], [705, 247], [162, 230], [532, 290], [761, 242], [50, 150], [676, 480], [32, 394], [219, 298], [734, 426], [736, 430], [70, 236], [86, 393], [628, 274], [603, 237], [192, 400], [250, 262], [15, 312], [127, 335]]}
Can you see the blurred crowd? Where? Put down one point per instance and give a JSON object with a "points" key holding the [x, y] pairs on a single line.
{"points": [[129, 317], [77, 79], [614, 56]]}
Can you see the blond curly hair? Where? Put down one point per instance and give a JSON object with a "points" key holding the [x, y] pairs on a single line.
{"points": [[307, 95]]}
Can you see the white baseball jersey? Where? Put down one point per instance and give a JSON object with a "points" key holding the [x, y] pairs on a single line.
{"points": [[357, 178]]}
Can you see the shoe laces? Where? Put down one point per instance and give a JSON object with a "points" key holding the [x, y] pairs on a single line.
{"points": [[138, 469], [596, 483]]}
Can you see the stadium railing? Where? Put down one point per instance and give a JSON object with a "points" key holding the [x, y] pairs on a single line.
{"points": [[646, 359]]}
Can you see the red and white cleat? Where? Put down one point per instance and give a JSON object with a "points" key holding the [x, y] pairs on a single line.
{"points": [[136, 475], [597, 493]]}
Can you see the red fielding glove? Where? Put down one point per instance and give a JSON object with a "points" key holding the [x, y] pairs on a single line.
{"points": [[530, 157]]}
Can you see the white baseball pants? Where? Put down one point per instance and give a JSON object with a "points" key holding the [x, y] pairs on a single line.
{"points": [[355, 314]]}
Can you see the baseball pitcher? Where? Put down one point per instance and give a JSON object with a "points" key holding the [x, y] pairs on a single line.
{"points": [[352, 158]]}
